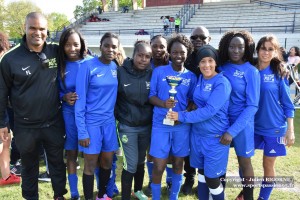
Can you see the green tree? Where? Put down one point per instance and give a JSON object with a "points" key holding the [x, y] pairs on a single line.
{"points": [[88, 6], [56, 21], [123, 3], [2, 14], [15, 17]]}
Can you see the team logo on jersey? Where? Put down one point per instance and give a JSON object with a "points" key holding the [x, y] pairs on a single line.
{"points": [[147, 85], [124, 139], [207, 87], [52, 63], [268, 78], [114, 73], [186, 81], [238, 74]]}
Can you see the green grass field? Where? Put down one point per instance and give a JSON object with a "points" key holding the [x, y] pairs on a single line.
{"points": [[286, 166]]}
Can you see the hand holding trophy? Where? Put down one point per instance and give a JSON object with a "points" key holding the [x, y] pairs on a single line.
{"points": [[173, 81]]}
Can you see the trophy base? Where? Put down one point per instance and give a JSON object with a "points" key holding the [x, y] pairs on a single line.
{"points": [[168, 122]]}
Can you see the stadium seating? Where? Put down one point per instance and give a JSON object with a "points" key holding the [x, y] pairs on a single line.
{"points": [[218, 17]]}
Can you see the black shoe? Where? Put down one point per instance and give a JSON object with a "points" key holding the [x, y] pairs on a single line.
{"points": [[75, 198], [45, 177], [148, 190], [187, 186]]}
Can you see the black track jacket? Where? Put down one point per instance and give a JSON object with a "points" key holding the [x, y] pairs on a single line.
{"points": [[133, 107], [31, 86]]}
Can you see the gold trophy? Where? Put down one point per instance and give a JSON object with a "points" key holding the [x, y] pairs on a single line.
{"points": [[173, 81]]}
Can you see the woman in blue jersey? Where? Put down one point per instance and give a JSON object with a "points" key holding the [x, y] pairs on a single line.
{"points": [[236, 55], [274, 126], [165, 139], [134, 114], [160, 57], [209, 122], [96, 87], [71, 54]]}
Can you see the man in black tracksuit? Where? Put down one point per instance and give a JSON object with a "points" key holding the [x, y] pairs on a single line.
{"points": [[28, 75]]}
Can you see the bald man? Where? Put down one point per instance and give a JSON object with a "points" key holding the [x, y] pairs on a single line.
{"points": [[28, 74], [199, 37]]}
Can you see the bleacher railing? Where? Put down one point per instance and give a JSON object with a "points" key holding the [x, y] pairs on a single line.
{"points": [[72, 23], [186, 13], [287, 6], [218, 30]]}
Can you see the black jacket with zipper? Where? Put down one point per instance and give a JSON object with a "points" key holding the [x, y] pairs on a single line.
{"points": [[133, 107], [32, 86]]}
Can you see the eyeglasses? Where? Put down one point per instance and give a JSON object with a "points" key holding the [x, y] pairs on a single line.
{"points": [[201, 37], [43, 58]]}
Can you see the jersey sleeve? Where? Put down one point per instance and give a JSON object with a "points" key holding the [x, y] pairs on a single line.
{"points": [[62, 92], [82, 84], [285, 100], [192, 86], [219, 96], [252, 100], [154, 83]]}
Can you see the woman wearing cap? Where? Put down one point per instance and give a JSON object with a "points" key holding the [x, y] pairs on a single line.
{"points": [[209, 123]]}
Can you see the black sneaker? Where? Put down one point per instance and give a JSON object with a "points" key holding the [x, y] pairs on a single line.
{"points": [[16, 169], [187, 186], [45, 177]]}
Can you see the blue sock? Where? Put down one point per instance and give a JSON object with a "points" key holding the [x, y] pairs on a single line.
{"points": [[150, 168], [203, 191], [111, 185], [169, 173], [266, 190], [156, 191], [73, 182], [218, 193], [96, 172], [176, 184]]}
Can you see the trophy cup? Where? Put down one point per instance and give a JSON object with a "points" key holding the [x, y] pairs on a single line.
{"points": [[173, 81]]}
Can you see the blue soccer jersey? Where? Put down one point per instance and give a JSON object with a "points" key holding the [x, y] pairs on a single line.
{"points": [[275, 105], [159, 87], [211, 96], [96, 86], [69, 84], [245, 83]]}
